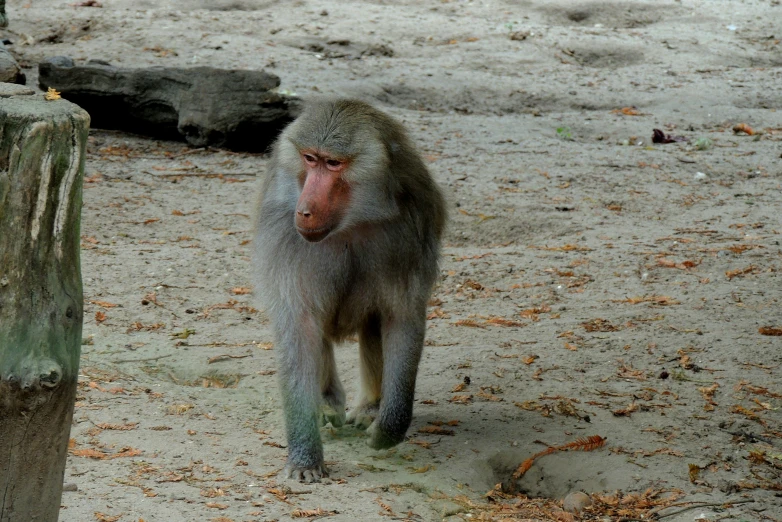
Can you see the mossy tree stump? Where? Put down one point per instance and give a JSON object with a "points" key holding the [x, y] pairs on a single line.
{"points": [[42, 147]]}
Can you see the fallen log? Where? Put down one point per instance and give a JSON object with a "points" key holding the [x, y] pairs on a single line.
{"points": [[233, 109]]}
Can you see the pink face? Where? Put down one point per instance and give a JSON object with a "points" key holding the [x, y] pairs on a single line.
{"points": [[324, 195]]}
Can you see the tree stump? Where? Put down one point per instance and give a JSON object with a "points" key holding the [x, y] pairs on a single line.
{"points": [[42, 146]]}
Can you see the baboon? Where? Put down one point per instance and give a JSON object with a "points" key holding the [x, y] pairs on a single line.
{"points": [[347, 242]]}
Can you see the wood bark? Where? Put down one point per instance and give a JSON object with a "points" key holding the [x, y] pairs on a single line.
{"points": [[42, 146], [229, 108]]}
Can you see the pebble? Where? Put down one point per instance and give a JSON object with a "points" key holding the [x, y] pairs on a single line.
{"points": [[9, 68], [70, 486], [576, 502]]}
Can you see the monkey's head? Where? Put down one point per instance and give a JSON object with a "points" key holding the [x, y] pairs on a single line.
{"points": [[341, 154]]}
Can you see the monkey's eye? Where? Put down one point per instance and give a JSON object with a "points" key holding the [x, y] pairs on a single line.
{"points": [[309, 158], [333, 164]]}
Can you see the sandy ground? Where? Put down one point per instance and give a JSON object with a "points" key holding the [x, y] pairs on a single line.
{"points": [[593, 283]]}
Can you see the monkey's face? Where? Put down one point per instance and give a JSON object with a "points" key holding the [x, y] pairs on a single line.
{"points": [[325, 195]]}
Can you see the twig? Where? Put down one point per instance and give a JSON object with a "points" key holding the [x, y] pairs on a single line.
{"points": [[191, 151], [225, 356], [204, 174], [706, 504], [142, 360], [584, 444]]}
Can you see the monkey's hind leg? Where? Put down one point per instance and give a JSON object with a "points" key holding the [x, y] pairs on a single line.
{"points": [[367, 404], [403, 341], [300, 362], [333, 392]]}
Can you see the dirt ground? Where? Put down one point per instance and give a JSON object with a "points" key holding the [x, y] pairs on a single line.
{"points": [[593, 283]]}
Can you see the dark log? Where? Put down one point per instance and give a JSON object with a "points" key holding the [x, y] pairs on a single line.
{"points": [[42, 145], [233, 109]]}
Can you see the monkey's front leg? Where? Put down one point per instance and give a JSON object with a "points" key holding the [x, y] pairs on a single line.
{"points": [[300, 358], [403, 341]]}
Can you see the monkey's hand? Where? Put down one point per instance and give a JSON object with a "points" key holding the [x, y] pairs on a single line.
{"points": [[305, 474], [333, 415], [380, 439], [363, 415]]}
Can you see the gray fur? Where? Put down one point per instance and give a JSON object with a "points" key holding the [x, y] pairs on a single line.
{"points": [[372, 275]]}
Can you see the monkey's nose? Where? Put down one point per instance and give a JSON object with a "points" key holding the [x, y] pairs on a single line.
{"points": [[304, 213]]}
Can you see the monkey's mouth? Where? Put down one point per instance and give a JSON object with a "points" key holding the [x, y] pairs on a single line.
{"points": [[313, 235]]}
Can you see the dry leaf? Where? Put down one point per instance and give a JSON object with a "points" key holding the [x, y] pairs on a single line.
{"points": [[770, 330], [599, 325], [684, 265], [588, 444], [423, 444], [533, 313], [625, 412], [103, 517], [52, 94], [104, 304], [743, 127], [628, 372], [179, 409], [740, 271], [468, 322], [435, 430], [627, 111], [118, 427], [488, 396], [438, 313], [89, 453], [499, 321], [212, 493], [708, 396], [695, 470], [461, 399]]}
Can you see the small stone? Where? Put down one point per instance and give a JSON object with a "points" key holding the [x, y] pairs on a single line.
{"points": [[70, 486], [576, 501], [9, 68]]}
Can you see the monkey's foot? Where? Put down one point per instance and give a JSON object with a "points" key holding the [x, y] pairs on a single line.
{"points": [[305, 473], [333, 415], [379, 439], [363, 415], [333, 409]]}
